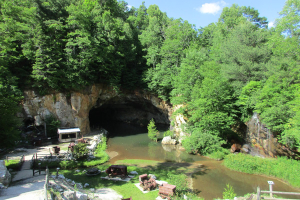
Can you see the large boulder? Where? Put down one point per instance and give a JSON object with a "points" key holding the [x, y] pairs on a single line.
{"points": [[5, 177], [70, 195], [81, 196], [235, 148], [168, 140], [246, 148]]}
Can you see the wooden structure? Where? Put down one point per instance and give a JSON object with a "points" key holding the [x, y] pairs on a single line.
{"points": [[56, 149], [117, 170], [271, 192], [167, 191], [147, 184], [128, 198], [142, 178], [68, 134]]}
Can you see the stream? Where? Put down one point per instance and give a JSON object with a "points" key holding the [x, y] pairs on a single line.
{"points": [[132, 142]]}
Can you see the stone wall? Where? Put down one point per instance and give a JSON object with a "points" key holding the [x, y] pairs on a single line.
{"points": [[73, 108]]}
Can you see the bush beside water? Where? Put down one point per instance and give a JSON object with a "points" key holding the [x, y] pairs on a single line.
{"points": [[219, 155], [283, 168]]}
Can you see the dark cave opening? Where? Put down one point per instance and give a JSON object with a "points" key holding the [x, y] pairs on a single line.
{"points": [[125, 113]]}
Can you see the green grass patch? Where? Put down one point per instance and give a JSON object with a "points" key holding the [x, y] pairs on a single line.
{"points": [[281, 167], [173, 174], [219, 155], [12, 164]]}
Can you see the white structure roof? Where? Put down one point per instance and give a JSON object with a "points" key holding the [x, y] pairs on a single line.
{"points": [[68, 130]]}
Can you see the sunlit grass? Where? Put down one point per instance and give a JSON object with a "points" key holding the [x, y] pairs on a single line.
{"points": [[283, 168], [163, 171], [12, 164]]}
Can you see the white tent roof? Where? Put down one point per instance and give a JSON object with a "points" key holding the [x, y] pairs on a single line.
{"points": [[68, 130]]}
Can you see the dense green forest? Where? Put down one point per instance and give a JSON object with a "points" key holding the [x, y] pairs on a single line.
{"points": [[220, 73]]}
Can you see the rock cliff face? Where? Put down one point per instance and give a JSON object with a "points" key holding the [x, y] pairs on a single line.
{"points": [[266, 142], [73, 109]]}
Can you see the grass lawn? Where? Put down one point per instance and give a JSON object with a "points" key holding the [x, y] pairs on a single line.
{"points": [[12, 164], [163, 171]]}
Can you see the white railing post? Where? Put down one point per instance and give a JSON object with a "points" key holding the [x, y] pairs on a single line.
{"points": [[271, 183]]}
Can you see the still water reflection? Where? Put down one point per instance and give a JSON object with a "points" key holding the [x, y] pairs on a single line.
{"points": [[131, 142]]}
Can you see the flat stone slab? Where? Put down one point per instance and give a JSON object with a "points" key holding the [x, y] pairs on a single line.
{"points": [[128, 178]]}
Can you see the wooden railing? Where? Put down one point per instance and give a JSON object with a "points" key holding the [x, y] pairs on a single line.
{"points": [[271, 192], [35, 160]]}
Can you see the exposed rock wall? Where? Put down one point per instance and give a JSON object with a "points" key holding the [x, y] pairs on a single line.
{"points": [[179, 123], [73, 108], [266, 142]]}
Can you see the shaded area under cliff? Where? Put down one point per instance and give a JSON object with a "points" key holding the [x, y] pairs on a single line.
{"points": [[135, 112]]}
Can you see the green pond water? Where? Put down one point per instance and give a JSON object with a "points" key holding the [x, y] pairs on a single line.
{"points": [[132, 142]]}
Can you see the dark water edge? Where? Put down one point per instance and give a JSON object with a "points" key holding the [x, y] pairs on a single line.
{"points": [[132, 142]]}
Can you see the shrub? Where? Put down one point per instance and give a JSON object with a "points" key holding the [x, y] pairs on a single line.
{"points": [[229, 192], [169, 133], [219, 155], [52, 124], [180, 180], [80, 150], [202, 142], [152, 131]]}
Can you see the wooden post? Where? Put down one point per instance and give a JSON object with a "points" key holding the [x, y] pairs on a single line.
{"points": [[7, 158], [258, 193]]}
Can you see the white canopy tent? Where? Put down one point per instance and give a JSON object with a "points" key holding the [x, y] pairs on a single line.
{"points": [[68, 134]]}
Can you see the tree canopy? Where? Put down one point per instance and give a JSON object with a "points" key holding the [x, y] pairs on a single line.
{"points": [[221, 73]]}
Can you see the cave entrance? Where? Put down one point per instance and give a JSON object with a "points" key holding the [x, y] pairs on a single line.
{"points": [[126, 116]]}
